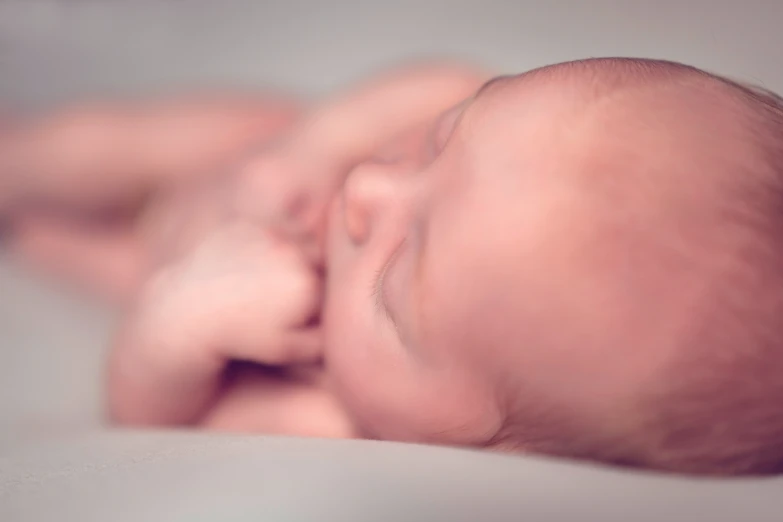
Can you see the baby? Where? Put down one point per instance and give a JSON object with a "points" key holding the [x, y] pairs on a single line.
{"points": [[579, 261]]}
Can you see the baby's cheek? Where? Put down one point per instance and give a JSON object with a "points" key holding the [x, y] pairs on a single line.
{"points": [[394, 394], [450, 407]]}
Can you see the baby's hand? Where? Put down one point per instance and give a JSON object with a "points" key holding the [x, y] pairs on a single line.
{"points": [[224, 289], [290, 186]]}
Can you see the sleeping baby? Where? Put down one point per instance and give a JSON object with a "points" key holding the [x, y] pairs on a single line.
{"points": [[580, 261]]}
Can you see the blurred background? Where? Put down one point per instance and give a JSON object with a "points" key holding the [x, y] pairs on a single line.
{"points": [[58, 51]]}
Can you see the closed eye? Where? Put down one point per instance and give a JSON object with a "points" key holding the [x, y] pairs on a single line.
{"points": [[377, 294]]}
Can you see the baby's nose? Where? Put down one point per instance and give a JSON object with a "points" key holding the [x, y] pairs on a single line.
{"points": [[369, 192]]}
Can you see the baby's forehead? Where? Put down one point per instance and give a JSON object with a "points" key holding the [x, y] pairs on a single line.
{"points": [[608, 104], [603, 143], [630, 126]]}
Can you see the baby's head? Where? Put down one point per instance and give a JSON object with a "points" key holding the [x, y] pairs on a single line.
{"points": [[583, 260]]}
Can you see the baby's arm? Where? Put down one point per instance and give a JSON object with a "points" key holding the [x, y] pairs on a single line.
{"points": [[98, 156], [63, 173], [243, 294], [290, 187]]}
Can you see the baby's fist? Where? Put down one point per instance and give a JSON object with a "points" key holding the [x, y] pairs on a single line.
{"points": [[238, 294]]}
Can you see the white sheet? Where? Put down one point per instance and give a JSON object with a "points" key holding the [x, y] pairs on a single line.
{"points": [[101, 477]]}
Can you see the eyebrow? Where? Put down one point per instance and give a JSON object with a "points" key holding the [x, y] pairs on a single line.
{"points": [[488, 86], [494, 82]]}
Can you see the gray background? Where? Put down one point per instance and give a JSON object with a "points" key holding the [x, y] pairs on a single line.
{"points": [[55, 51], [51, 344]]}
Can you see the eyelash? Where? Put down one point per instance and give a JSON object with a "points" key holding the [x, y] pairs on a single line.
{"points": [[376, 290]]}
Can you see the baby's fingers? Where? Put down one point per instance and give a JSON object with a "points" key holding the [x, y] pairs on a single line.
{"points": [[160, 380], [233, 298]]}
